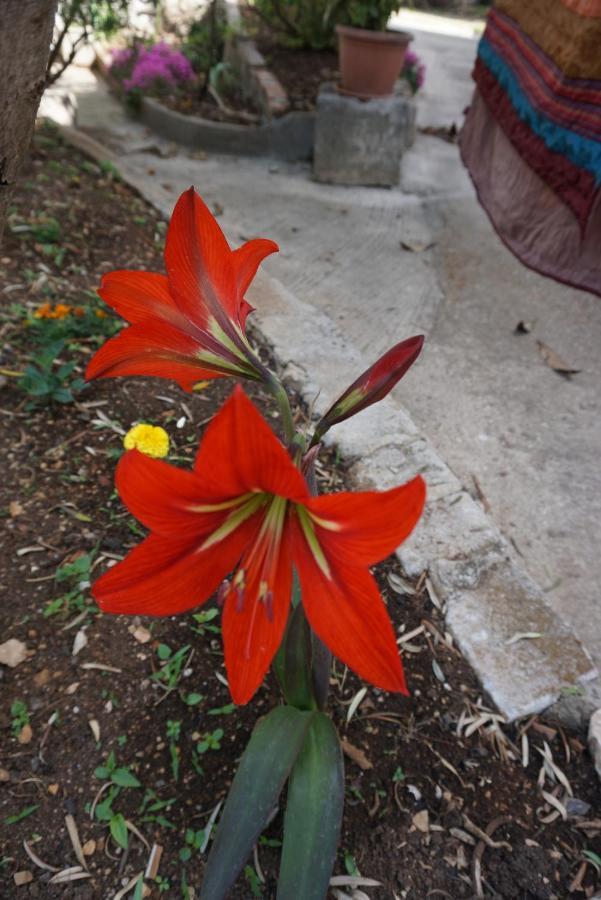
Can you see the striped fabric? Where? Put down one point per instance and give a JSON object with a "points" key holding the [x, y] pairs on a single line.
{"points": [[535, 123]]}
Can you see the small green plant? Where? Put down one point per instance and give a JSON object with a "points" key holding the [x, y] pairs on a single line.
{"points": [[46, 230], [172, 664], [78, 570], [203, 619], [350, 864], [109, 168], [152, 808], [194, 842], [205, 41], [301, 23], [211, 740], [370, 14], [254, 882], [222, 710], [117, 778], [73, 600], [47, 380], [22, 814], [173, 734], [19, 716]]}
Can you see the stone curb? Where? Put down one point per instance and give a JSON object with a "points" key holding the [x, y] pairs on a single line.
{"points": [[289, 137], [524, 655]]}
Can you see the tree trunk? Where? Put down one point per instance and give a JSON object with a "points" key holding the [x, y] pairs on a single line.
{"points": [[25, 35]]}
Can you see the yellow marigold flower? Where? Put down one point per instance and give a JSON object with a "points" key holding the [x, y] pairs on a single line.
{"points": [[149, 439], [44, 311], [100, 313], [61, 311]]}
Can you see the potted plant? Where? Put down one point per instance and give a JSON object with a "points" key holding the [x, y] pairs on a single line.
{"points": [[371, 58]]}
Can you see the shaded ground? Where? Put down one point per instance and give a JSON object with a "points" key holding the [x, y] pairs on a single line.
{"points": [[143, 701]]}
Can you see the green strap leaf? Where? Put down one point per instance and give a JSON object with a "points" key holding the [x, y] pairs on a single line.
{"points": [[298, 686], [313, 815], [265, 765]]}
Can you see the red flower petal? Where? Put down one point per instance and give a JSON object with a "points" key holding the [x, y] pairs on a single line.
{"points": [[198, 260], [246, 260], [164, 498], [161, 576], [367, 527], [153, 347], [253, 631], [347, 612], [138, 296], [240, 453]]}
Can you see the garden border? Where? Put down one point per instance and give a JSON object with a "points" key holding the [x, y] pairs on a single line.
{"points": [[523, 653], [289, 136], [286, 134]]}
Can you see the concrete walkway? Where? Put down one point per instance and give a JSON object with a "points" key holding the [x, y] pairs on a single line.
{"points": [[531, 438], [523, 441]]}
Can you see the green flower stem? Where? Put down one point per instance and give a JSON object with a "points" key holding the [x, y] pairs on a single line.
{"points": [[321, 658], [281, 397]]}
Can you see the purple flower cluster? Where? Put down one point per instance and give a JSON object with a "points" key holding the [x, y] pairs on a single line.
{"points": [[158, 67], [121, 58], [414, 70]]}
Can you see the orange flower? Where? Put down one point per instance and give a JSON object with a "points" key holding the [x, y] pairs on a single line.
{"points": [[47, 311]]}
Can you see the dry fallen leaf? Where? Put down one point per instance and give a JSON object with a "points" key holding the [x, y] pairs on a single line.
{"points": [[12, 653], [554, 360], [89, 848], [416, 246], [53, 789], [25, 735], [41, 678], [95, 729], [141, 634], [21, 878], [81, 641], [4, 775], [356, 754], [15, 509], [421, 821]]}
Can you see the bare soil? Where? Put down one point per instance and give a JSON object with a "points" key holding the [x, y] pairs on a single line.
{"points": [[443, 799]]}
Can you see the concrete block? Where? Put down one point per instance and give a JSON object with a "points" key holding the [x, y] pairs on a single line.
{"points": [[359, 141]]}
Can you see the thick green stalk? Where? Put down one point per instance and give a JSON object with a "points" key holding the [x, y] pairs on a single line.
{"points": [[281, 397]]}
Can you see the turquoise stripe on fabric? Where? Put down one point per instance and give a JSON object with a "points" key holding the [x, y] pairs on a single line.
{"points": [[580, 150]]}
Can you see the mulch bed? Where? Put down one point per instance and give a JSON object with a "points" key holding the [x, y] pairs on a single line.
{"points": [[444, 800], [237, 111], [300, 72]]}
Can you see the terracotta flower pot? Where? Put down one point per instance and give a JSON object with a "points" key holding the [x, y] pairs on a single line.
{"points": [[370, 61]]}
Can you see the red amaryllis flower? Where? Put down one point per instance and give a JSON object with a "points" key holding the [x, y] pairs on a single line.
{"points": [[246, 507], [373, 385], [190, 324]]}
